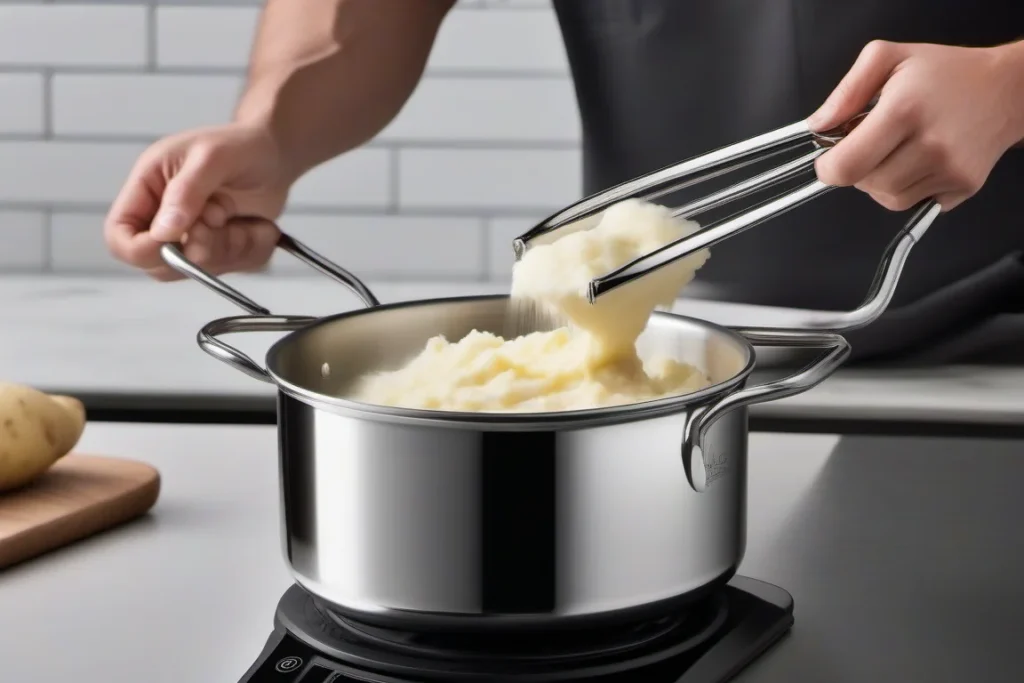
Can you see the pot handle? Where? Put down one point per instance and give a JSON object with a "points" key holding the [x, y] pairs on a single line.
{"points": [[208, 341], [261, 319], [702, 466], [816, 330], [175, 258]]}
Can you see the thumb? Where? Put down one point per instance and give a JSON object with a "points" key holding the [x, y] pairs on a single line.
{"points": [[185, 197], [859, 86]]}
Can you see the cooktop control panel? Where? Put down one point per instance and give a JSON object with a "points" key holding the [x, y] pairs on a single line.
{"points": [[286, 660]]}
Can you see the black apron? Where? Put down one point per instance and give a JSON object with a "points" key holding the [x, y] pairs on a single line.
{"points": [[659, 81]]}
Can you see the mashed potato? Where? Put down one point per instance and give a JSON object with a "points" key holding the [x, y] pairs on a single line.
{"points": [[590, 363], [557, 275]]}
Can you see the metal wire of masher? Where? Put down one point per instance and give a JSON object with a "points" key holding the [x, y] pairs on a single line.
{"points": [[719, 162]]}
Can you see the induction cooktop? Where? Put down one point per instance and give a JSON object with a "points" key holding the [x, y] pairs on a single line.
{"points": [[707, 643]]}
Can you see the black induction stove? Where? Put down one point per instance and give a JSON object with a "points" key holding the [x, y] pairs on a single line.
{"points": [[708, 643]]}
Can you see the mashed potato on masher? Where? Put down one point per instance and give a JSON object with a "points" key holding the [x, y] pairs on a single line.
{"points": [[590, 363]]}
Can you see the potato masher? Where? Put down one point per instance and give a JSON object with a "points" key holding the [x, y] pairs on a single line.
{"points": [[719, 162]]}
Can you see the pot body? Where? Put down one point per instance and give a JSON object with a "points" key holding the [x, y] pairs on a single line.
{"points": [[410, 517], [466, 527]]}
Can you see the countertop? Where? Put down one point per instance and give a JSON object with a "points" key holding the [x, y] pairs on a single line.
{"points": [[904, 556], [127, 345]]}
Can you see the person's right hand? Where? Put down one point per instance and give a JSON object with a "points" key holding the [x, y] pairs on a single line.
{"points": [[201, 188]]}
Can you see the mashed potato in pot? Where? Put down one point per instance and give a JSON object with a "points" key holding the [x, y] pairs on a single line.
{"points": [[590, 363]]}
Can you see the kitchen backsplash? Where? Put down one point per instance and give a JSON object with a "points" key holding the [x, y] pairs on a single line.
{"points": [[488, 143]]}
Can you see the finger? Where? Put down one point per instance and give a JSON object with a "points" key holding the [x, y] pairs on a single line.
{"points": [[906, 166], [125, 226], [186, 195], [132, 246], [200, 245], [252, 243], [861, 83], [215, 214], [240, 245], [164, 274], [950, 200], [244, 244], [866, 147], [203, 246], [923, 189]]}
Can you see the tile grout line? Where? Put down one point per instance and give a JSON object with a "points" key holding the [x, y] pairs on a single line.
{"points": [[151, 31], [448, 73], [394, 181], [47, 240], [485, 244], [395, 144], [47, 104], [372, 276], [99, 207], [475, 6]]}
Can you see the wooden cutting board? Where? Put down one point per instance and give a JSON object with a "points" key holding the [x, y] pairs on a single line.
{"points": [[79, 496]]}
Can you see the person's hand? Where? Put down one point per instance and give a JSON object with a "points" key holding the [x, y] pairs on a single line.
{"points": [[944, 117], [201, 188]]}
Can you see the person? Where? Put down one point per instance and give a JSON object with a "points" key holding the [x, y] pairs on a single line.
{"points": [[658, 81]]}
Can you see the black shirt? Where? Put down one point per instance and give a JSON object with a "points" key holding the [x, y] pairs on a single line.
{"points": [[659, 81]]}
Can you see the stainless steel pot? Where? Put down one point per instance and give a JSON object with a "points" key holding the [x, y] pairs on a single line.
{"points": [[470, 520]]}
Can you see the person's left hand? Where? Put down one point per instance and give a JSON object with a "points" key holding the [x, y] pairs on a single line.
{"points": [[944, 117]]}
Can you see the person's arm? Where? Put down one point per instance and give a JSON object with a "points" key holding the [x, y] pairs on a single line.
{"points": [[1013, 59], [325, 76]]}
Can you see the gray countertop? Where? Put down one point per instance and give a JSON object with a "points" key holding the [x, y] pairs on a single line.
{"points": [[904, 557], [130, 342]]}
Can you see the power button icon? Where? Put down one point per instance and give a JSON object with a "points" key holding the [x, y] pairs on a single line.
{"points": [[289, 664]]}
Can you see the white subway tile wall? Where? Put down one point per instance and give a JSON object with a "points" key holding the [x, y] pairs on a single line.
{"points": [[478, 179], [139, 105], [77, 246], [72, 35], [487, 145], [22, 111], [24, 238], [500, 233], [60, 172]]}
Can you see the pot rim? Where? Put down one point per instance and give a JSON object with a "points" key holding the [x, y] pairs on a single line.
{"points": [[538, 421]]}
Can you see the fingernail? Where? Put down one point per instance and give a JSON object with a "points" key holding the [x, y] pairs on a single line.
{"points": [[169, 223], [822, 116], [817, 119]]}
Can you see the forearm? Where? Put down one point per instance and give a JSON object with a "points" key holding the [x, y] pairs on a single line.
{"points": [[1011, 65], [325, 76]]}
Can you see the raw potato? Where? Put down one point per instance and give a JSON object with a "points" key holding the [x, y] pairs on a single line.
{"points": [[70, 429], [36, 430]]}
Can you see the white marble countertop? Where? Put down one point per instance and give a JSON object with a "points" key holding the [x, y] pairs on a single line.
{"points": [[128, 335], [921, 584]]}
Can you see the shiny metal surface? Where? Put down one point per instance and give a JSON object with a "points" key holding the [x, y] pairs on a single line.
{"points": [[316, 366], [699, 456], [706, 237], [386, 337], [886, 277], [747, 187], [209, 342], [694, 171], [432, 518], [669, 179], [434, 527], [704, 458], [328, 268], [175, 258], [585, 213]]}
